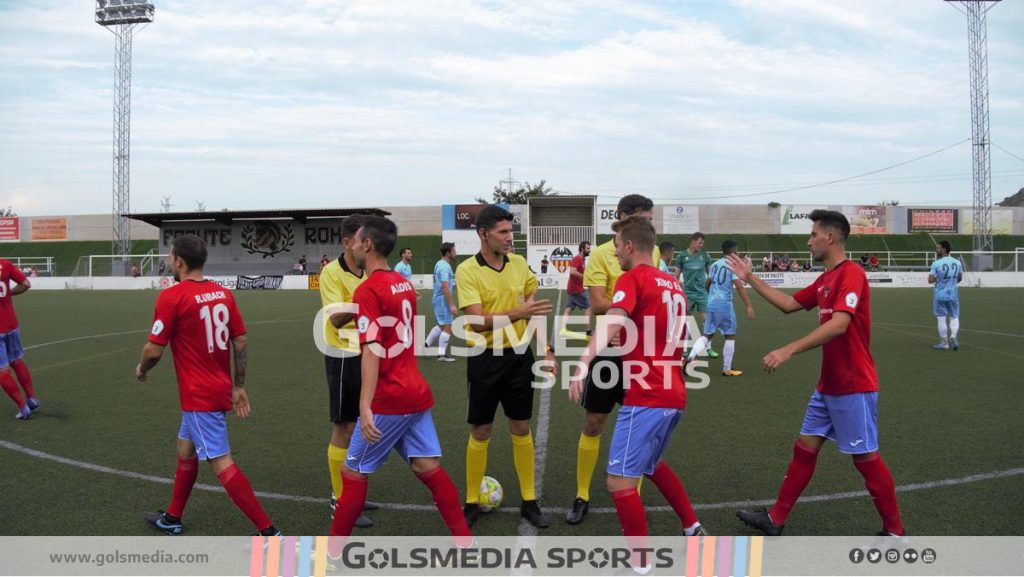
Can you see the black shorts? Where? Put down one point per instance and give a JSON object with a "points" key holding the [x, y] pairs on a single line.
{"points": [[344, 381], [506, 379], [602, 399]]}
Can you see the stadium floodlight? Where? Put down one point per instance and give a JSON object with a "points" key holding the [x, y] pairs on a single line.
{"points": [[122, 17], [117, 12]]}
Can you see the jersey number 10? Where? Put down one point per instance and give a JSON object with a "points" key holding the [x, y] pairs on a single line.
{"points": [[676, 309], [216, 326]]}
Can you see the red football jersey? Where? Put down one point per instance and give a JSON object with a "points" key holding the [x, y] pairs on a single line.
{"points": [[387, 312], [655, 302], [575, 285], [8, 273], [846, 365], [199, 319]]}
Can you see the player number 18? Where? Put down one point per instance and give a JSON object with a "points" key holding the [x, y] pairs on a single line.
{"points": [[216, 326]]}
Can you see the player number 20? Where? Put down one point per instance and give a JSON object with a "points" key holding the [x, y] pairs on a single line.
{"points": [[676, 306], [216, 326]]}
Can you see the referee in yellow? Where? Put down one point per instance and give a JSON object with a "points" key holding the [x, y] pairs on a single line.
{"points": [[600, 397], [497, 287]]}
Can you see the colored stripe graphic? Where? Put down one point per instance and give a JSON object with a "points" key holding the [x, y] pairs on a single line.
{"points": [[256, 563], [739, 559], [724, 556], [707, 558], [320, 557], [756, 556], [692, 555], [273, 557], [288, 557], [305, 556]]}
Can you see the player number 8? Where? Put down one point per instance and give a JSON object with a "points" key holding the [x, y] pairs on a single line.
{"points": [[216, 326]]}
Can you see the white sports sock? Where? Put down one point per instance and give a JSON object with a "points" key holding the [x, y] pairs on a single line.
{"points": [[954, 327], [432, 337], [443, 346], [698, 347], [942, 328], [728, 350]]}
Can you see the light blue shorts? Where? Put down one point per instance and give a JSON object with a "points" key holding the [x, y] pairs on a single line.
{"points": [[720, 321], [10, 348], [947, 308], [443, 314], [208, 431], [849, 420], [411, 435], [640, 439]]}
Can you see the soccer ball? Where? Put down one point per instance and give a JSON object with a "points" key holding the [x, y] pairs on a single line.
{"points": [[491, 494]]}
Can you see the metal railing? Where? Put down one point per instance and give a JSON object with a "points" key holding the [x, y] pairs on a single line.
{"points": [[43, 265], [570, 236]]}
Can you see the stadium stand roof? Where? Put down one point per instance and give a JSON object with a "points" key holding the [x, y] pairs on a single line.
{"points": [[227, 216]]}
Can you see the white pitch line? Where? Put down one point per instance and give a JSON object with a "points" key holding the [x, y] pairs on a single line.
{"points": [[133, 332], [980, 477], [979, 331]]}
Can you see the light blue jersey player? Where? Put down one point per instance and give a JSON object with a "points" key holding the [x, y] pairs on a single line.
{"points": [[443, 302], [721, 317], [404, 266], [946, 274]]}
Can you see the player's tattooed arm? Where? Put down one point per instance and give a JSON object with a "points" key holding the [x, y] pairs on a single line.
{"points": [[240, 344]]}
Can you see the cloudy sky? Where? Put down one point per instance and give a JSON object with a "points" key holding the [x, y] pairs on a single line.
{"points": [[310, 103]]}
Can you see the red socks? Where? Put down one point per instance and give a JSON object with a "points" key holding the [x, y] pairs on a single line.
{"points": [[882, 488], [11, 388], [24, 377], [240, 491], [446, 497], [351, 504], [631, 512], [665, 479], [798, 475], [184, 478]]}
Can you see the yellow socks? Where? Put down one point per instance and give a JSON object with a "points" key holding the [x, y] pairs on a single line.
{"points": [[476, 465], [335, 460], [522, 453], [586, 461]]}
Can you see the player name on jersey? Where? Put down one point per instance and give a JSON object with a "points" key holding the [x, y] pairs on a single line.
{"points": [[401, 287], [210, 296]]}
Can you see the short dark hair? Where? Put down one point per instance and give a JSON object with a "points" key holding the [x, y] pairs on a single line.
{"points": [[637, 229], [191, 249], [382, 232], [945, 244], [403, 249], [490, 215], [632, 204], [666, 246], [446, 247], [351, 225], [696, 236], [833, 220], [583, 244], [729, 247]]}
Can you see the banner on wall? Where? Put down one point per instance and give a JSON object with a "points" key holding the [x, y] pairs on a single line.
{"points": [[678, 219], [1002, 221], [466, 241], [796, 219], [550, 259], [605, 217], [866, 219], [49, 229], [463, 216], [10, 229], [932, 220]]}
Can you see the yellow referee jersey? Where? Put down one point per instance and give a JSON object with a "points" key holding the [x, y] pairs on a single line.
{"points": [[337, 284], [497, 291], [603, 268]]}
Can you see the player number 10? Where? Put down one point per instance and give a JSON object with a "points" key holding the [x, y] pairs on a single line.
{"points": [[216, 326], [676, 306]]}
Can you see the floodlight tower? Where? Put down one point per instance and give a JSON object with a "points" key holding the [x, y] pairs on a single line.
{"points": [[977, 46], [122, 17]]}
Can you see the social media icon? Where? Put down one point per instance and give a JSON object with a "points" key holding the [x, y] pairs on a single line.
{"points": [[874, 555], [892, 556], [856, 555], [928, 555], [910, 556]]}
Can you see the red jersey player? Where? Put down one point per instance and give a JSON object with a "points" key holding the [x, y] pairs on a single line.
{"points": [[201, 322], [395, 400], [844, 406], [655, 394], [10, 342]]}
